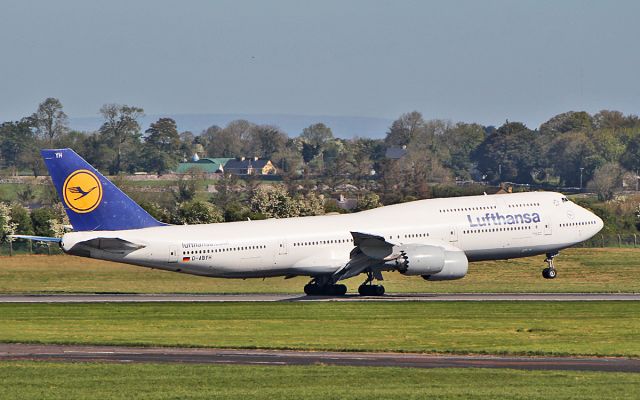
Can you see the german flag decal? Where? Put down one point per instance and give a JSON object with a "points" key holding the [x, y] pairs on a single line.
{"points": [[185, 259]]}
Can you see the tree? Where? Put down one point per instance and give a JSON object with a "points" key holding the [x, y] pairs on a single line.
{"points": [[511, 153], [572, 153], [226, 189], [162, 145], [120, 127], [311, 204], [197, 212], [187, 186], [605, 180], [567, 122], [188, 144], [22, 219], [41, 219], [156, 211], [461, 141], [17, 143], [98, 151], [229, 141], [289, 159], [368, 202], [403, 129], [7, 225], [610, 119], [274, 202], [50, 121], [630, 159], [265, 140], [314, 137]]}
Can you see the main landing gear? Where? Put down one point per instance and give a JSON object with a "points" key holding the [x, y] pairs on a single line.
{"points": [[550, 272], [368, 288], [323, 287]]}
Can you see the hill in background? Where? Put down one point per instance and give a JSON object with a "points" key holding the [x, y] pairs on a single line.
{"points": [[342, 126]]}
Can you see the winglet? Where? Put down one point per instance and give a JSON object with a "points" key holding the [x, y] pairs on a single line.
{"points": [[91, 201]]}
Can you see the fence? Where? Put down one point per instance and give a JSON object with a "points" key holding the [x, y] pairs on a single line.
{"points": [[615, 240], [22, 246]]}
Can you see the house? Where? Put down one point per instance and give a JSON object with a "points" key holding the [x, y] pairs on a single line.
{"points": [[250, 166], [205, 165]]}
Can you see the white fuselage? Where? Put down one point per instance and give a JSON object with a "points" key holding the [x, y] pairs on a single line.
{"points": [[484, 227]]}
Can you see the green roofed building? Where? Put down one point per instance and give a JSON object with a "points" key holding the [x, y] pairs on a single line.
{"points": [[206, 165]]}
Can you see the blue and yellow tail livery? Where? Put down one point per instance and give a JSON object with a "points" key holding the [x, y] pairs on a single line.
{"points": [[91, 201]]}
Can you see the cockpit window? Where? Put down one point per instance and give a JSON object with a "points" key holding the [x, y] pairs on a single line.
{"points": [[564, 199]]}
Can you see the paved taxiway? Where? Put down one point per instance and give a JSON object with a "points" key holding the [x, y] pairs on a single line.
{"points": [[219, 298], [280, 357]]}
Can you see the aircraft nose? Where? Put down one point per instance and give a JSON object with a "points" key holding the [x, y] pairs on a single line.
{"points": [[599, 223]]}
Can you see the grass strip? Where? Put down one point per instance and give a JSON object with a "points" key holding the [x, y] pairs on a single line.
{"points": [[44, 380], [526, 328], [579, 271]]}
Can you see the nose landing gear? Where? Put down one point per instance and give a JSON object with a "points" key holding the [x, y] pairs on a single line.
{"points": [[550, 272]]}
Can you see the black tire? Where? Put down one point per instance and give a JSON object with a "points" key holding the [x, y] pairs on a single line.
{"points": [[552, 274], [545, 273], [379, 290], [339, 290], [364, 290], [311, 290]]}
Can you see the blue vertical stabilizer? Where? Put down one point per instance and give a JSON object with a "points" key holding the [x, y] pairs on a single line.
{"points": [[91, 201]]}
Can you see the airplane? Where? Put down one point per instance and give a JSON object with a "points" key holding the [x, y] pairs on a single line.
{"points": [[434, 239]]}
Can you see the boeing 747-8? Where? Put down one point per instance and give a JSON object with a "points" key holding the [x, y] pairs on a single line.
{"points": [[434, 239]]}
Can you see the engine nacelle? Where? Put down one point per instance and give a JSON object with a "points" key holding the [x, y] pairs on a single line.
{"points": [[432, 262], [420, 259], [455, 267]]}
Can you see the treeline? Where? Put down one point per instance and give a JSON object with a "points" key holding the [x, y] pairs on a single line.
{"points": [[570, 149]]}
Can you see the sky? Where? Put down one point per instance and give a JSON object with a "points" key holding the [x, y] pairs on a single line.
{"points": [[473, 61]]}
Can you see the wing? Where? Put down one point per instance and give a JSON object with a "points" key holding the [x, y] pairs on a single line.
{"points": [[371, 251]]}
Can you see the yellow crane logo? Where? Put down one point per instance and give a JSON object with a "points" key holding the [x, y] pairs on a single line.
{"points": [[82, 191]]}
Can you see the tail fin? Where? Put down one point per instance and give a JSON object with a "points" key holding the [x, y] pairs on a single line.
{"points": [[91, 201]]}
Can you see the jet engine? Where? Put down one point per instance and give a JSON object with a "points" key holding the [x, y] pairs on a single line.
{"points": [[434, 263]]}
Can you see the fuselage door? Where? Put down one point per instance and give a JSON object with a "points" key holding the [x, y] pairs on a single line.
{"points": [[173, 254], [282, 247], [547, 228]]}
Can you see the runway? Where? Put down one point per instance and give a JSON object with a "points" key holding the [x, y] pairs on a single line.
{"points": [[221, 298], [281, 357]]}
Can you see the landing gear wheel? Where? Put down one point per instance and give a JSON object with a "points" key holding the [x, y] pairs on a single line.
{"points": [[313, 289], [371, 290], [339, 290], [368, 288], [550, 272], [310, 289]]}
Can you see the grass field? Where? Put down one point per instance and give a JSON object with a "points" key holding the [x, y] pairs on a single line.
{"points": [[580, 270], [542, 328], [25, 380]]}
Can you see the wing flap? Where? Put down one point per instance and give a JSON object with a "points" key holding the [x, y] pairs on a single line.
{"points": [[374, 246], [371, 251]]}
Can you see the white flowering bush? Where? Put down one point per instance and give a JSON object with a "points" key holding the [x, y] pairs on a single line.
{"points": [[7, 226]]}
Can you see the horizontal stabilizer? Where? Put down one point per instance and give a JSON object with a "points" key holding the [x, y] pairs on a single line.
{"points": [[36, 238]]}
